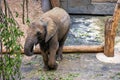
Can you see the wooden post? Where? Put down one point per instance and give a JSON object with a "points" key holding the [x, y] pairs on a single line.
{"points": [[55, 3], [110, 31]]}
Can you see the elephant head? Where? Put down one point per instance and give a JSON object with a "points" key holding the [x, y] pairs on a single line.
{"points": [[39, 31]]}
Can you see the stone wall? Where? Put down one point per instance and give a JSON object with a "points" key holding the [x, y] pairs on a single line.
{"points": [[100, 7], [104, 0]]}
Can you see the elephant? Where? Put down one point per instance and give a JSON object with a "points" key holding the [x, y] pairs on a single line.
{"points": [[50, 32]]}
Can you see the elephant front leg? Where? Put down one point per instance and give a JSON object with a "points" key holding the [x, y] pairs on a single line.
{"points": [[52, 56], [45, 59], [52, 61]]}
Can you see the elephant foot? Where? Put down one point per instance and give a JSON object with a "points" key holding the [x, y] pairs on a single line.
{"points": [[59, 57], [53, 67], [46, 68]]}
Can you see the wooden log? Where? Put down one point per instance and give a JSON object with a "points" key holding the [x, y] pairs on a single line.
{"points": [[55, 3], [110, 31], [83, 49], [75, 49]]}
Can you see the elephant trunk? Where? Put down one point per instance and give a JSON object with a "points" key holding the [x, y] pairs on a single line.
{"points": [[28, 47]]}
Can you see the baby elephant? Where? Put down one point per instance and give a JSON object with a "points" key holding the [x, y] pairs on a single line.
{"points": [[50, 32]]}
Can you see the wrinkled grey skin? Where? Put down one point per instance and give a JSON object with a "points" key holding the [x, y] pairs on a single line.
{"points": [[50, 33]]}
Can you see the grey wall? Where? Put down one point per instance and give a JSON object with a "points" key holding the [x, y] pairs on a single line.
{"points": [[101, 7]]}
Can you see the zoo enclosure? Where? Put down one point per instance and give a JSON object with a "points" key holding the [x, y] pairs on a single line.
{"points": [[104, 7]]}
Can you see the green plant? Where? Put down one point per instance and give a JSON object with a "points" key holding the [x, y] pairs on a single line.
{"points": [[9, 35], [10, 62]]}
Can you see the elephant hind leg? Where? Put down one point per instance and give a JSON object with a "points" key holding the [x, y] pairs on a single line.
{"points": [[59, 55]]}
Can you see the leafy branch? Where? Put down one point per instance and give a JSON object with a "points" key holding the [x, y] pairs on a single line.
{"points": [[9, 35]]}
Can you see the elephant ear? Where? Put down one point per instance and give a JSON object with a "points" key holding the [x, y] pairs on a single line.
{"points": [[50, 27]]}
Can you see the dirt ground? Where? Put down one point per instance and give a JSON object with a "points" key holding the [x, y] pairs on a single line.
{"points": [[72, 67], [75, 66]]}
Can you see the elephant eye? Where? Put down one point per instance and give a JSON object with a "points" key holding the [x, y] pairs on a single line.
{"points": [[38, 33]]}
